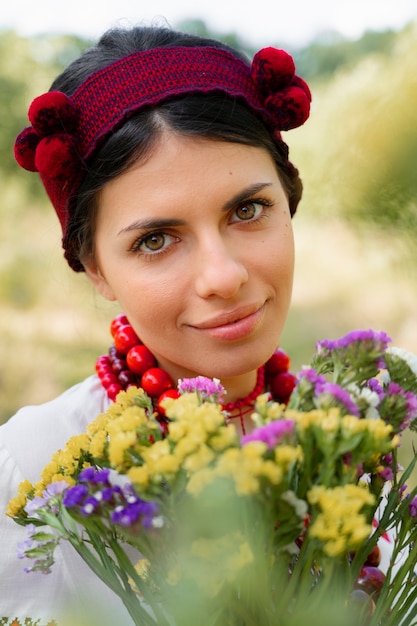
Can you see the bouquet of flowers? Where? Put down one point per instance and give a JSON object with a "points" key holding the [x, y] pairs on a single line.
{"points": [[285, 525]]}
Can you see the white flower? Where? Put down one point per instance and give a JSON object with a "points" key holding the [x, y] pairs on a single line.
{"points": [[370, 397], [409, 357], [118, 480]]}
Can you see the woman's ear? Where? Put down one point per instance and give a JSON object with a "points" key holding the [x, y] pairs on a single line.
{"points": [[100, 283]]}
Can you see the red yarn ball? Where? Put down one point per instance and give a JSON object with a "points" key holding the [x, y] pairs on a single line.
{"points": [[53, 112], [289, 108], [25, 149], [272, 69], [56, 157]]}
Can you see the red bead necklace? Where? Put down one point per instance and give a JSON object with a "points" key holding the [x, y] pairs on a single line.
{"points": [[129, 362]]}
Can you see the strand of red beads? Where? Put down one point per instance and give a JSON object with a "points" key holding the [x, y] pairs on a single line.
{"points": [[129, 362]]}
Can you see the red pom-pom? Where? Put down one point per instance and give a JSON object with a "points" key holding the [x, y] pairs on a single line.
{"points": [[25, 148], [56, 157], [300, 82], [272, 69], [53, 112], [289, 108]]}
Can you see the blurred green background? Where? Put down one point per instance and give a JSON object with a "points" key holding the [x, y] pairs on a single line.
{"points": [[354, 230]]}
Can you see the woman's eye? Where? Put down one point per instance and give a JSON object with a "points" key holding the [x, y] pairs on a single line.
{"points": [[248, 211], [153, 243]]}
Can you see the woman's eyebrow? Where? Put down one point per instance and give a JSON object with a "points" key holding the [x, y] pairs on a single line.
{"points": [[245, 194], [151, 224]]}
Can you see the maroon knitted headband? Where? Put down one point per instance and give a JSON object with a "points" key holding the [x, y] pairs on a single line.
{"points": [[66, 132]]}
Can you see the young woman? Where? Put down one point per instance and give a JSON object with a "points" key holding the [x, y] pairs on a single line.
{"points": [[162, 155]]}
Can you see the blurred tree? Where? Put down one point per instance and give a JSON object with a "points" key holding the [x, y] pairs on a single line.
{"points": [[199, 27], [363, 135], [331, 52]]}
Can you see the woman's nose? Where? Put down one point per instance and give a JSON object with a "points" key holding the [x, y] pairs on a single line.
{"points": [[219, 271]]}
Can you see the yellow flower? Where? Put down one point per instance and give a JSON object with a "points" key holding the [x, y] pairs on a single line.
{"points": [[331, 422], [119, 443], [59, 477], [286, 455], [225, 438], [48, 472], [76, 444], [190, 443], [17, 503], [139, 475], [133, 417], [351, 425], [97, 443], [97, 425], [275, 411], [159, 460], [340, 525], [254, 450], [177, 430], [201, 458], [246, 466]]}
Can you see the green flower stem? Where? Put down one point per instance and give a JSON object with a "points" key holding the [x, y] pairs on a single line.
{"points": [[105, 568], [128, 571], [397, 591]]}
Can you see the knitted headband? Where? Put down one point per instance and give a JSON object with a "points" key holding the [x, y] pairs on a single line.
{"points": [[66, 131]]}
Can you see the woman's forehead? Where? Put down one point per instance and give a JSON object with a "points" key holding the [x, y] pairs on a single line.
{"points": [[183, 169]]}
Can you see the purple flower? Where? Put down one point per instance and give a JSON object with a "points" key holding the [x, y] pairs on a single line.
{"points": [[108, 493], [47, 499], [89, 505], [272, 433], [380, 340], [130, 513], [399, 406], [206, 388], [340, 396], [75, 495], [27, 543], [411, 405], [386, 474], [39, 546], [33, 505], [358, 355], [87, 474], [94, 475], [412, 506], [374, 385], [55, 489], [311, 375]]}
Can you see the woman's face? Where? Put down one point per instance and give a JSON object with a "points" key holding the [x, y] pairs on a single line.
{"points": [[196, 245]]}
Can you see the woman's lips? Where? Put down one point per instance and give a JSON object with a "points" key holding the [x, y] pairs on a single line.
{"points": [[232, 326]]}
